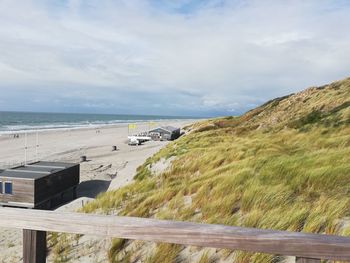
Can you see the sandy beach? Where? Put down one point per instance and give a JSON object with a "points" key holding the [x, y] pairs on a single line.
{"points": [[105, 169]]}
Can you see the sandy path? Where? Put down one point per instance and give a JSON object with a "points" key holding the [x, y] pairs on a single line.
{"points": [[105, 169]]}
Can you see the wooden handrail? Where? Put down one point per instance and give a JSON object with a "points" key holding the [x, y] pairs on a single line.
{"points": [[185, 233]]}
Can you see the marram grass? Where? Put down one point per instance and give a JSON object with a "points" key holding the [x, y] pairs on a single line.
{"points": [[247, 171]]}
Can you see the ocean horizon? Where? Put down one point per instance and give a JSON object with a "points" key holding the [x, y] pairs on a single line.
{"points": [[12, 121]]}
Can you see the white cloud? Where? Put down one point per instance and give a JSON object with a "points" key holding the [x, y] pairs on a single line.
{"points": [[217, 56]]}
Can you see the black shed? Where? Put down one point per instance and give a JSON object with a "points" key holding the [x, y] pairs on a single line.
{"points": [[38, 185], [165, 133]]}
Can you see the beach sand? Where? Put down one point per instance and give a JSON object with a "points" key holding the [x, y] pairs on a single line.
{"points": [[105, 169]]}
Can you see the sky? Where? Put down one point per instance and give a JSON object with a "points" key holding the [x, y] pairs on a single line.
{"points": [[185, 57]]}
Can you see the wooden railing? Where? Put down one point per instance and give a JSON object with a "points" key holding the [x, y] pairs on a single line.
{"points": [[35, 223]]}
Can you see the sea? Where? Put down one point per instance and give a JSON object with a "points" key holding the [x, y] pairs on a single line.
{"points": [[19, 122]]}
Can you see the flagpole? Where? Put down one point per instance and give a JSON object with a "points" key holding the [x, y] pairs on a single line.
{"points": [[37, 145], [25, 149]]}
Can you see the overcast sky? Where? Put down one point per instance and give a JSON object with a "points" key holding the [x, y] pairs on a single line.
{"points": [[185, 57]]}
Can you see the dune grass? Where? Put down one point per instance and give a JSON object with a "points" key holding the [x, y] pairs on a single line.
{"points": [[294, 176], [166, 253], [291, 180]]}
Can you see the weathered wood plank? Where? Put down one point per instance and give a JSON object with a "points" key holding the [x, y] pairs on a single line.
{"points": [[34, 246], [218, 236], [307, 260]]}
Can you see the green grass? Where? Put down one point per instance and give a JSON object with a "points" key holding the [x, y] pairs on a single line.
{"points": [[251, 171], [116, 247], [165, 253], [59, 244]]}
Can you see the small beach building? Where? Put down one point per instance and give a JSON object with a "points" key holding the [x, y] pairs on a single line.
{"points": [[168, 133], [41, 185]]}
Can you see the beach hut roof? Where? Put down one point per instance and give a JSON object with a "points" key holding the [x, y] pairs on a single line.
{"points": [[170, 128], [166, 128], [35, 170]]}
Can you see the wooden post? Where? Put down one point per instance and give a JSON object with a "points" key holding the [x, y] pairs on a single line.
{"points": [[34, 246], [307, 260]]}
